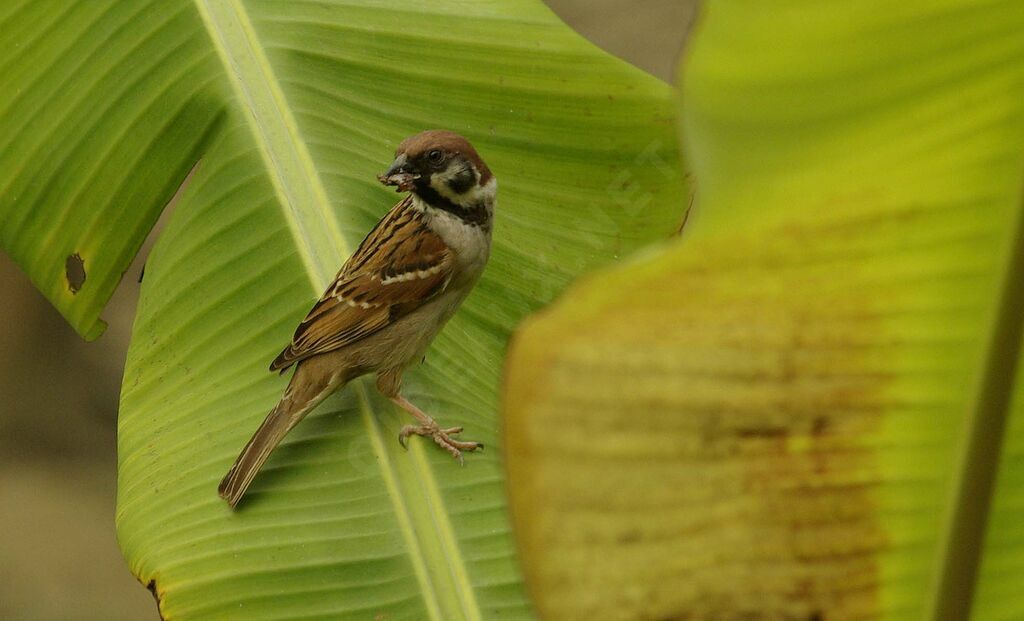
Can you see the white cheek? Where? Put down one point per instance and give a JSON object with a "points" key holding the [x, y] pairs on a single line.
{"points": [[441, 179], [441, 186]]}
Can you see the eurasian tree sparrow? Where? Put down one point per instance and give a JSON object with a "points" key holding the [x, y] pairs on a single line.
{"points": [[391, 297]]}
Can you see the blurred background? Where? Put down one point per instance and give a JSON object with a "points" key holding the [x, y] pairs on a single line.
{"points": [[58, 394]]}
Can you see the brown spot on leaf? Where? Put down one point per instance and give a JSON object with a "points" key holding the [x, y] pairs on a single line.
{"points": [[819, 426], [748, 383], [632, 535], [74, 271], [763, 432]]}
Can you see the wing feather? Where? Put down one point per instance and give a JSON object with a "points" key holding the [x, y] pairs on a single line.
{"points": [[400, 265]]}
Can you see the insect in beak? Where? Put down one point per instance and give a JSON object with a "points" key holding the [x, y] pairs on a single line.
{"points": [[400, 174]]}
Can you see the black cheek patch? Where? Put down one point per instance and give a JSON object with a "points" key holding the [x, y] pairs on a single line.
{"points": [[461, 182]]}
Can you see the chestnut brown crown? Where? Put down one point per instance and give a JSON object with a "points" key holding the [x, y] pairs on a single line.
{"points": [[437, 163]]}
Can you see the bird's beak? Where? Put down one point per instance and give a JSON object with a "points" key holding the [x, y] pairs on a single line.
{"points": [[400, 174]]}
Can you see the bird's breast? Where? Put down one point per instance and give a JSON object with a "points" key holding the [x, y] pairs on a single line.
{"points": [[470, 243]]}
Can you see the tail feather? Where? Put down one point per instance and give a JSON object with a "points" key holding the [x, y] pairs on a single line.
{"points": [[301, 396], [267, 437]]}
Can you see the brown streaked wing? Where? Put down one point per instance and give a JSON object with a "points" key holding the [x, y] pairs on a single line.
{"points": [[400, 265]]}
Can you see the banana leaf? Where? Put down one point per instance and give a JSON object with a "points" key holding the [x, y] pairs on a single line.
{"points": [[290, 110], [796, 411]]}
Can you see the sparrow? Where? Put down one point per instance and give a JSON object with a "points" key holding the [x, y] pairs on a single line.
{"points": [[390, 298]]}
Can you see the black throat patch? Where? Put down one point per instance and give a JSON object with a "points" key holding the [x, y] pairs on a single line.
{"points": [[476, 215]]}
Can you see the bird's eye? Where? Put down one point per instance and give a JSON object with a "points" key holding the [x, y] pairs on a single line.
{"points": [[435, 156]]}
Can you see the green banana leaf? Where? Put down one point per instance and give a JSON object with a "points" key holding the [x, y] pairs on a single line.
{"points": [[294, 107], [104, 108], [795, 411]]}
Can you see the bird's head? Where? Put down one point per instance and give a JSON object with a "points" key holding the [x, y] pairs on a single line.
{"points": [[440, 166]]}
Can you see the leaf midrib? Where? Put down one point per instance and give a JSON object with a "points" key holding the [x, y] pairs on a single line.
{"points": [[973, 491], [432, 546]]}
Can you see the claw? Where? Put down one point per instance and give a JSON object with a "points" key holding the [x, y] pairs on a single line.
{"points": [[429, 427]]}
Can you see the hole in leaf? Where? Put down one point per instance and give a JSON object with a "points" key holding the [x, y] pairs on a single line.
{"points": [[74, 271]]}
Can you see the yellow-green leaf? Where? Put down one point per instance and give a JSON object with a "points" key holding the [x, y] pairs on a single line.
{"points": [[787, 414]]}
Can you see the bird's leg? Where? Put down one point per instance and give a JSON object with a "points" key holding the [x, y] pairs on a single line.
{"points": [[389, 385], [429, 427]]}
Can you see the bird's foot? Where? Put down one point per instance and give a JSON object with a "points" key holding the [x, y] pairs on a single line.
{"points": [[442, 437]]}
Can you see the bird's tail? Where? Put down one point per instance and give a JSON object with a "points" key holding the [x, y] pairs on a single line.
{"points": [[302, 395]]}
